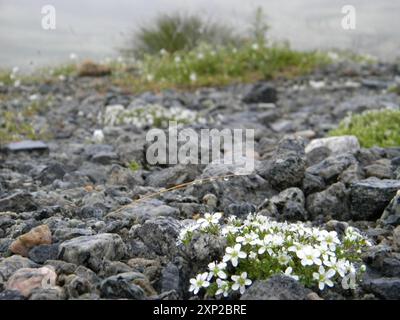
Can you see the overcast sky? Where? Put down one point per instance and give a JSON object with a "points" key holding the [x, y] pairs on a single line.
{"points": [[95, 28]]}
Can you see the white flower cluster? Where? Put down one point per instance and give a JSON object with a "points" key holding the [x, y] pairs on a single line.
{"points": [[259, 247], [150, 115]]}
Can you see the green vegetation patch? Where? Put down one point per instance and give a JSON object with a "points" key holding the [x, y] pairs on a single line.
{"points": [[372, 128]]}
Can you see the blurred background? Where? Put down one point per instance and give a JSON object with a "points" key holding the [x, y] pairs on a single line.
{"points": [[96, 29]]}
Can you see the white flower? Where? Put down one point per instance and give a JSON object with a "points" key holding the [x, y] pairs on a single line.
{"points": [[248, 238], [15, 70], [323, 277], [288, 272], [200, 56], [329, 239], [98, 136], [177, 59], [240, 282], [309, 256], [217, 270], [149, 77], [283, 259], [163, 52], [73, 56], [193, 77], [255, 46], [17, 83], [252, 255], [233, 254], [199, 282], [209, 219], [223, 288]]}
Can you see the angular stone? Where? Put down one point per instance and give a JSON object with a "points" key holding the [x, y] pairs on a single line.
{"points": [[369, 197], [123, 286], [337, 145], [261, 92], [385, 288], [27, 145], [90, 251], [18, 202], [11, 264], [391, 215], [37, 236], [277, 287]]}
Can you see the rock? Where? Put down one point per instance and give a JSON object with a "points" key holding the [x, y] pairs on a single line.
{"points": [[173, 176], [381, 170], [287, 167], [385, 288], [55, 293], [143, 211], [37, 236], [150, 268], [76, 286], [240, 209], [51, 173], [18, 202], [277, 287], [158, 235], [337, 145], [391, 215], [26, 279], [396, 238], [41, 253], [369, 197], [261, 92], [170, 278], [330, 168], [288, 205], [312, 184], [317, 155], [211, 201], [11, 295], [27, 146], [330, 203], [123, 286], [63, 234], [90, 251], [104, 158], [11, 264], [90, 69]]}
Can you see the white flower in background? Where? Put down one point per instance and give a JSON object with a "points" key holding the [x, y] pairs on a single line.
{"points": [[163, 52], [199, 282], [149, 77], [33, 97], [73, 56], [17, 83], [255, 46], [15, 70], [178, 59], [234, 50], [289, 273], [265, 245], [223, 288], [252, 255], [217, 270], [323, 277], [193, 77], [209, 219], [98, 136], [233, 254], [330, 262], [283, 259], [229, 230], [200, 56], [240, 282], [309, 256]]}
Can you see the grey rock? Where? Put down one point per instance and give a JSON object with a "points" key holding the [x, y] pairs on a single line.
{"points": [[261, 92], [312, 183], [330, 168], [50, 173], [11, 264], [55, 293], [172, 176], [27, 146], [369, 197], [11, 295], [277, 287], [385, 288], [391, 214], [330, 203], [159, 235], [337, 145], [90, 251], [240, 209], [104, 157], [380, 169], [143, 211], [170, 278], [18, 202], [63, 234], [122, 287], [317, 155], [287, 167], [40, 254]]}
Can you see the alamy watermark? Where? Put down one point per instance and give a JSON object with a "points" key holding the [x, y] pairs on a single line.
{"points": [[48, 17], [349, 20], [186, 146]]}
